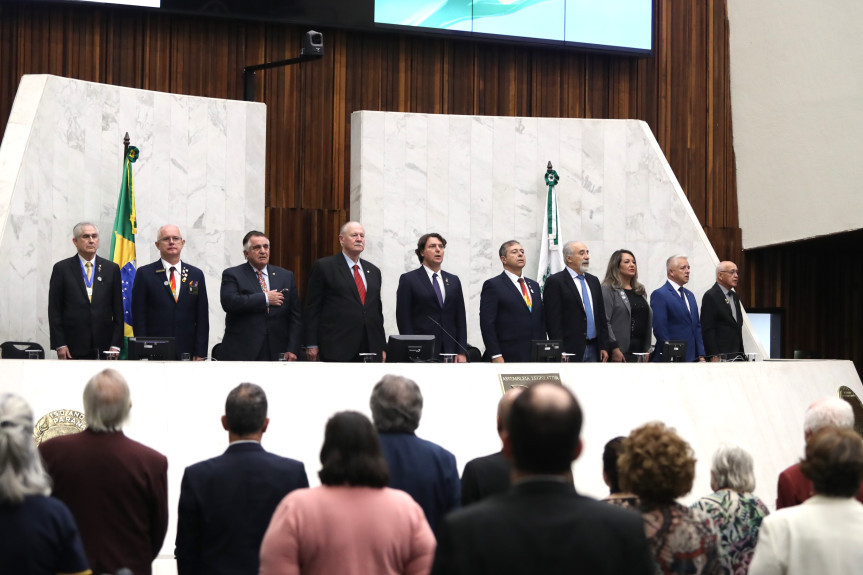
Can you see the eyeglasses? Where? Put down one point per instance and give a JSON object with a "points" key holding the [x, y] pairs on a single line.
{"points": [[168, 239]]}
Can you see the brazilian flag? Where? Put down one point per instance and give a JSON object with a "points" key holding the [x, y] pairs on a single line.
{"points": [[123, 241]]}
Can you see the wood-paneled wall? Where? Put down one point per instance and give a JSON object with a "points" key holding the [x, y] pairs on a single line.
{"points": [[682, 93]]}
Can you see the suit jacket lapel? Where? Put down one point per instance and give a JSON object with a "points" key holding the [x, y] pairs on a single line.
{"points": [[347, 275], [165, 276], [622, 293], [371, 280], [676, 295], [75, 270], [575, 293]]}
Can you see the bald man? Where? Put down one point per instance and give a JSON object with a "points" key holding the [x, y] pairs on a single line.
{"points": [[169, 298], [488, 475], [722, 316], [541, 524]]}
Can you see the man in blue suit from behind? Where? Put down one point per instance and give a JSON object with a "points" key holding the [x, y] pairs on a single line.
{"points": [[169, 298], [675, 312], [424, 470], [226, 502], [510, 309], [429, 301]]}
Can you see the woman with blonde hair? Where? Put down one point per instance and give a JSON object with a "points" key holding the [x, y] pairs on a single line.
{"points": [[629, 315]]}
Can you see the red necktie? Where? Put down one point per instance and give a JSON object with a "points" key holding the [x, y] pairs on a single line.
{"points": [[173, 283], [361, 287]]}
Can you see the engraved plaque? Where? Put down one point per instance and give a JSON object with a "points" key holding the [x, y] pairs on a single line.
{"points": [[59, 422]]}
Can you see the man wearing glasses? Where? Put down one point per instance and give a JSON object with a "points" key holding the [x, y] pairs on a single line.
{"points": [[169, 298], [722, 316]]}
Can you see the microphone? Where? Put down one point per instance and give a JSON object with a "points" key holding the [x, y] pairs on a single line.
{"points": [[460, 346]]}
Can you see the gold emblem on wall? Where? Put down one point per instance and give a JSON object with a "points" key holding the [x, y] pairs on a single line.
{"points": [[59, 422]]}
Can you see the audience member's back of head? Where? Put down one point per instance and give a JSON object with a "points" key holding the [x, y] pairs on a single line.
{"points": [[656, 465], [351, 454], [834, 462], [396, 404], [732, 468], [610, 453], [21, 472], [544, 425], [246, 409], [828, 412], [106, 401]]}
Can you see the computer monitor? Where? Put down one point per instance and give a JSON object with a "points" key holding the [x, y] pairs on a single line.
{"points": [[410, 348], [545, 350], [152, 348], [674, 351]]}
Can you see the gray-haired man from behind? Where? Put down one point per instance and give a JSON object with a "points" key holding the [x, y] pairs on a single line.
{"points": [[226, 502], [116, 488], [794, 488], [423, 469]]}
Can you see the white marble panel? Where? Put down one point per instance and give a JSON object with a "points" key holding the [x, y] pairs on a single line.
{"points": [[61, 163], [616, 191]]}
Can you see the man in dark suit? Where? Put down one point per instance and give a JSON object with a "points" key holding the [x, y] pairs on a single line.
{"points": [[574, 307], [343, 314], [675, 312], [488, 475], [542, 525], [510, 309], [85, 300], [116, 488], [425, 470], [721, 315], [169, 298], [262, 308], [429, 301], [226, 502]]}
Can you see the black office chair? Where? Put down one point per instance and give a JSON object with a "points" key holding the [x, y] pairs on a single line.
{"points": [[19, 349]]}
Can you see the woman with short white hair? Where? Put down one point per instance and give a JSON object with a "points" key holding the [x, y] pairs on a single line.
{"points": [[37, 533], [735, 511]]}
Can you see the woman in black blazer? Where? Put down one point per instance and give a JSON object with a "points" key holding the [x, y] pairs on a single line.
{"points": [[629, 315]]}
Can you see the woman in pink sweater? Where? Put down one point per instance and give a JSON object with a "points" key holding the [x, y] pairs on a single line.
{"points": [[353, 524]]}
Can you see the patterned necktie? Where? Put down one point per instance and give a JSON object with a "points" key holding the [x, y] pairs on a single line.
{"points": [[588, 309], [173, 282], [437, 290], [524, 294], [89, 268], [262, 281], [361, 287]]}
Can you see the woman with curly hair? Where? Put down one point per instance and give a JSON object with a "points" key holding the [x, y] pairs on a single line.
{"points": [[658, 466]]}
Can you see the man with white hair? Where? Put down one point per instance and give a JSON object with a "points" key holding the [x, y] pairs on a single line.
{"points": [[116, 488], [794, 488], [675, 312], [85, 301]]}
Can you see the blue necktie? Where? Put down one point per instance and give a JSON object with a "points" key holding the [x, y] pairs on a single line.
{"points": [[437, 290], [591, 324]]}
